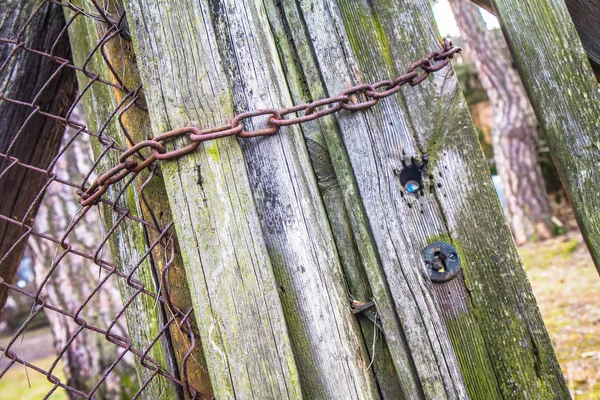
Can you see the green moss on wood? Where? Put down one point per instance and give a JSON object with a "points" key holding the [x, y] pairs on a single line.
{"points": [[229, 272], [440, 125], [128, 243], [294, 52]]}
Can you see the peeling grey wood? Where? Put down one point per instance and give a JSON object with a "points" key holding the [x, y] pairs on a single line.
{"points": [[509, 356], [564, 94], [201, 63], [487, 321], [435, 372], [304, 90]]}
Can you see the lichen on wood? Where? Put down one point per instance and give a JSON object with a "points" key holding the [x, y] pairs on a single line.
{"points": [[166, 260], [238, 70], [296, 56], [128, 241], [229, 272], [253, 230]]}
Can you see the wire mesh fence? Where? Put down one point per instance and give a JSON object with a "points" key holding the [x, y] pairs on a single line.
{"points": [[107, 275]]}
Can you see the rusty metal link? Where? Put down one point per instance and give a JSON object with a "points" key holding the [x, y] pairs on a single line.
{"points": [[101, 185], [237, 121], [172, 135], [355, 98], [360, 104]]}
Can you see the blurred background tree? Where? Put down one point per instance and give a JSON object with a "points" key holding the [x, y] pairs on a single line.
{"points": [[514, 132], [72, 281]]}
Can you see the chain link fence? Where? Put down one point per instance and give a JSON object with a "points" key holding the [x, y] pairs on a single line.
{"points": [[104, 272]]}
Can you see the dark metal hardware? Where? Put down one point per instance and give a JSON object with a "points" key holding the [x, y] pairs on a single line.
{"points": [[442, 261], [411, 175]]}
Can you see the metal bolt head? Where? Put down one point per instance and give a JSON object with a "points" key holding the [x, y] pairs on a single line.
{"points": [[442, 261]]}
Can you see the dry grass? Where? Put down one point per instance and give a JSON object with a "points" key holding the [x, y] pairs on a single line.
{"points": [[22, 384], [567, 288]]}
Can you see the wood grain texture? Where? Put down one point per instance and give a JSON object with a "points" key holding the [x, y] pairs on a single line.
{"points": [[166, 262], [454, 333], [423, 369], [228, 63], [564, 94], [479, 335], [128, 241], [295, 53]]}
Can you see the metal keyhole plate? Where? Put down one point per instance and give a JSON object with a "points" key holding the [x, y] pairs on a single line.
{"points": [[442, 261]]}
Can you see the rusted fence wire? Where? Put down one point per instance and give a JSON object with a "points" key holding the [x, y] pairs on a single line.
{"points": [[36, 72]]}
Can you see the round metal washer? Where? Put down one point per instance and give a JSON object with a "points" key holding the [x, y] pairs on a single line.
{"points": [[442, 261]]}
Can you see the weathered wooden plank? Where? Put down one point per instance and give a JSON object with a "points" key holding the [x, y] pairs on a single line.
{"points": [[585, 15], [429, 376], [154, 208], [236, 50], [564, 94], [304, 91], [494, 328], [441, 127], [229, 272], [128, 242]]}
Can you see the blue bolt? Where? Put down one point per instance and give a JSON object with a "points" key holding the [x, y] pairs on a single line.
{"points": [[412, 186]]}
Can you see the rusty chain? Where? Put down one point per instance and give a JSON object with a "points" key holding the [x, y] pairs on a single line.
{"points": [[371, 94]]}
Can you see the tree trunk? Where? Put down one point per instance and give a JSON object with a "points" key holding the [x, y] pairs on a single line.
{"points": [[554, 69], [74, 279], [514, 134], [26, 136]]}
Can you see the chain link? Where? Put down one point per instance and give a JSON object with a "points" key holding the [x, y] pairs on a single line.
{"points": [[356, 98]]}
